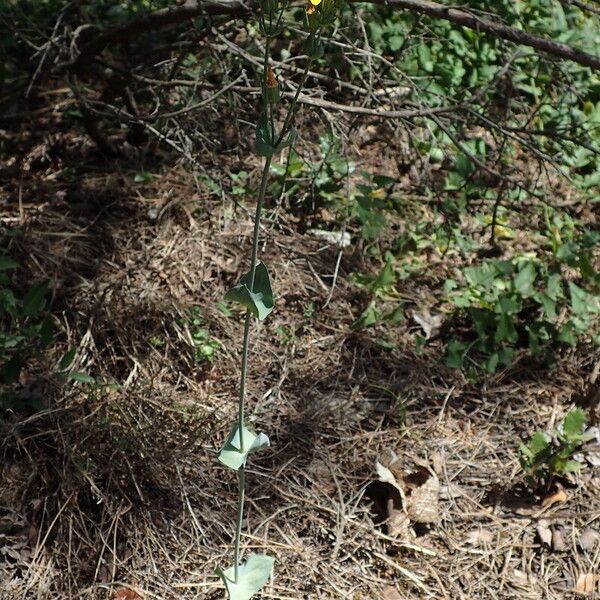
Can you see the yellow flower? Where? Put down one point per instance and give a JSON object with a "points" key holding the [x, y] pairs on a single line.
{"points": [[315, 2]]}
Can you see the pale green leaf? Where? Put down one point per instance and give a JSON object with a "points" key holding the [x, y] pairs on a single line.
{"points": [[233, 454], [258, 301], [252, 575]]}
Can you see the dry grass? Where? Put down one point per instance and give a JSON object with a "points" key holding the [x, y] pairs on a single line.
{"points": [[116, 488]]}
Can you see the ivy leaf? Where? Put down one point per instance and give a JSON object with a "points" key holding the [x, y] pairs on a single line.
{"points": [[574, 424], [524, 280], [231, 454], [258, 301], [35, 299], [252, 575]]}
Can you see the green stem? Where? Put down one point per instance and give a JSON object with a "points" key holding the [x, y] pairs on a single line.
{"points": [[248, 318], [292, 110], [244, 369], [240, 519]]}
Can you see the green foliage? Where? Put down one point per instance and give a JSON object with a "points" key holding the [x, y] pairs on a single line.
{"points": [[26, 329], [235, 451], [446, 64], [258, 299], [549, 455], [524, 302], [251, 576], [205, 346]]}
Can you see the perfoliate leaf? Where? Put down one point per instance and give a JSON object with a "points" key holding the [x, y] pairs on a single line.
{"points": [[233, 454], [265, 137], [252, 575], [258, 301], [574, 424]]}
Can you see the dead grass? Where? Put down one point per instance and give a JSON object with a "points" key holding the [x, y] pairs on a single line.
{"points": [[116, 488]]}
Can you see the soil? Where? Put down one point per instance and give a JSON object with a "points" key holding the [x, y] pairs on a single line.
{"points": [[112, 490]]}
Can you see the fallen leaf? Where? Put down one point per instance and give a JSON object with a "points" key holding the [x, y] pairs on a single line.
{"points": [[588, 538], [559, 496], [127, 593], [391, 593], [430, 324], [479, 538], [544, 532], [558, 540], [586, 583], [388, 501], [437, 461], [422, 496]]}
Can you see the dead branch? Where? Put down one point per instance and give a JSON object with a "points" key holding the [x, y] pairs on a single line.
{"points": [[155, 21], [174, 15], [480, 24]]}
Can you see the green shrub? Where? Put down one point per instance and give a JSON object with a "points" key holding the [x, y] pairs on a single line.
{"points": [[550, 455]]}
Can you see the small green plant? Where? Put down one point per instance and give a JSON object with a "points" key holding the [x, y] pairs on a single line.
{"points": [[254, 292], [26, 329], [547, 456], [205, 346], [526, 302]]}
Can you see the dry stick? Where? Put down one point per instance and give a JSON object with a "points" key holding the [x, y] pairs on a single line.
{"points": [[169, 17], [480, 24]]}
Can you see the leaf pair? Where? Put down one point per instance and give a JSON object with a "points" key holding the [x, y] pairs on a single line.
{"points": [[252, 575], [266, 138], [238, 445], [258, 300]]}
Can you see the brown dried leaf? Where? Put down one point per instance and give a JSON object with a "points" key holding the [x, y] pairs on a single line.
{"points": [[586, 583], [559, 496], [588, 539], [558, 540], [422, 496], [389, 503], [391, 593], [127, 593], [479, 538], [544, 532]]}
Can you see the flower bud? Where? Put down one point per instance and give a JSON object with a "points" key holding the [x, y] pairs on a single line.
{"points": [[271, 87]]}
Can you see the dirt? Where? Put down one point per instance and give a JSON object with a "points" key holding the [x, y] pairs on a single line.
{"points": [[113, 490]]}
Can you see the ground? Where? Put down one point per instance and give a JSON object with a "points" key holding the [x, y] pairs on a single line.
{"points": [[114, 492]]}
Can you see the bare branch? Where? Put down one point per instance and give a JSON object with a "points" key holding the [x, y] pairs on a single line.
{"points": [[479, 24], [155, 21], [175, 15]]}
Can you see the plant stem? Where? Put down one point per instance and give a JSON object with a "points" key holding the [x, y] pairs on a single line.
{"points": [[292, 110], [244, 369], [248, 318]]}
